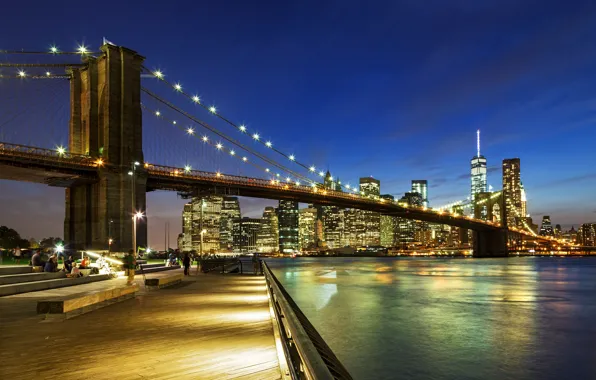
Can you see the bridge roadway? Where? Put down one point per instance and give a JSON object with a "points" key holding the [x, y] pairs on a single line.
{"points": [[208, 327], [64, 170]]}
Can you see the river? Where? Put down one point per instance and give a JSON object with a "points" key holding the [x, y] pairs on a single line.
{"points": [[415, 318]]}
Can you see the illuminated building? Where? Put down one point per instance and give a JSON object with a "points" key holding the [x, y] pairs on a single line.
{"points": [[512, 191], [185, 241], [206, 215], [558, 231], [405, 231], [387, 226], [245, 233], [524, 202], [371, 221], [287, 214], [307, 227], [478, 170], [586, 235], [570, 235], [420, 186], [353, 228], [546, 229], [331, 217], [230, 210], [268, 238]]}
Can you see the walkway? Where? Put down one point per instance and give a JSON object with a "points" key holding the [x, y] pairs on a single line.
{"points": [[208, 327]]}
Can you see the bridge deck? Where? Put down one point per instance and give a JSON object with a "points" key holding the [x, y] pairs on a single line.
{"points": [[208, 327]]}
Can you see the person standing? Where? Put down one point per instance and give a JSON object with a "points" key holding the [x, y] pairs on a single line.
{"points": [[17, 256], [186, 263], [255, 263], [130, 264]]}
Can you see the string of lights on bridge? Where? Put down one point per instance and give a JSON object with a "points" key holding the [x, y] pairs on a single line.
{"points": [[219, 146], [195, 99], [224, 136]]}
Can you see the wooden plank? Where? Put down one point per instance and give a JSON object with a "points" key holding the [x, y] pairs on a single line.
{"points": [[214, 327]]}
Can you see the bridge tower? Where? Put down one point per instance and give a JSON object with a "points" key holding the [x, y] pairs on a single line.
{"points": [[106, 122], [493, 243]]}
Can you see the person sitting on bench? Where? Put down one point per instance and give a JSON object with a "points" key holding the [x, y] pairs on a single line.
{"points": [[36, 260], [51, 265], [68, 264], [84, 263]]}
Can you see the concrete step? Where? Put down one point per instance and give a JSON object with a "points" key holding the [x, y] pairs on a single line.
{"points": [[14, 269], [157, 269], [35, 286], [147, 266], [30, 277]]}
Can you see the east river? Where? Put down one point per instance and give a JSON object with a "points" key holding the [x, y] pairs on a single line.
{"points": [[403, 318]]}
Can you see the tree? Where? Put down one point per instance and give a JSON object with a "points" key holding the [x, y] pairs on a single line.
{"points": [[33, 244], [10, 239], [50, 243]]}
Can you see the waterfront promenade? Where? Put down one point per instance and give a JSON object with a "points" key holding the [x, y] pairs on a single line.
{"points": [[207, 327]]}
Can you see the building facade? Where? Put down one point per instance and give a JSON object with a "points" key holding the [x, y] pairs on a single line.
{"points": [[546, 229], [307, 227], [512, 191], [387, 226], [230, 210], [287, 214], [371, 221], [245, 233], [268, 239], [420, 186], [407, 230]]}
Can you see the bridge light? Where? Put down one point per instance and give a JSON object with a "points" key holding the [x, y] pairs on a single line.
{"points": [[130, 173], [174, 122], [242, 128], [277, 174], [157, 113], [272, 182], [137, 163], [267, 170], [291, 157], [297, 183], [178, 87], [286, 187], [158, 74], [232, 152], [205, 138], [268, 143], [330, 178], [213, 109], [61, 150], [312, 168], [321, 174], [196, 99], [218, 174], [48, 74], [288, 179], [348, 187], [219, 146], [82, 49], [22, 74], [190, 131], [255, 136], [139, 215], [187, 168], [99, 162], [53, 49], [244, 159]]}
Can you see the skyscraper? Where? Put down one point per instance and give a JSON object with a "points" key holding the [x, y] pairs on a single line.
{"points": [[387, 226], [206, 214], [478, 170], [405, 229], [245, 234], [524, 202], [185, 243], [512, 191], [420, 186], [230, 210], [307, 227], [370, 187], [546, 229], [331, 217], [287, 214], [268, 238]]}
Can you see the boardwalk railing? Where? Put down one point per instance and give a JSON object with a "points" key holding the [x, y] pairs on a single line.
{"points": [[308, 356]]}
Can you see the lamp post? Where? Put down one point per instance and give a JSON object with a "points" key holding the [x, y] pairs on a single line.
{"points": [[110, 240], [137, 215], [201, 246], [132, 173]]}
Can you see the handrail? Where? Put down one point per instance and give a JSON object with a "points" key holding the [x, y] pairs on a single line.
{"points": [[307, 354]]}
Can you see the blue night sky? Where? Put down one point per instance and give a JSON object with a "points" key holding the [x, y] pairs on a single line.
{"points": [[392, 89]]}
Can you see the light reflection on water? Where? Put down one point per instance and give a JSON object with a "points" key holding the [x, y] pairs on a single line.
{"points": [[386, 318]]}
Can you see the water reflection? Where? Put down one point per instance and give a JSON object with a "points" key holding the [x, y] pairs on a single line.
{"points": [[520, 318]]}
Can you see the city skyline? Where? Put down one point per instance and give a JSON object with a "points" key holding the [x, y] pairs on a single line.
{"points": [[537, 122]]}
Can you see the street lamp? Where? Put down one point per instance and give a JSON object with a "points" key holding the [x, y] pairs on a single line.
{"points": [[110, 240], [133, 186], [201, 246], [137, 215]]}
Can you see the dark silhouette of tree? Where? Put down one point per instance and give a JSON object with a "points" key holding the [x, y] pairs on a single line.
{"points": [[49, 243], [10, 239]]}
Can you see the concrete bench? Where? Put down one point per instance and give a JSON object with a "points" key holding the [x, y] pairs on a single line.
{"points": [[84, 302], [28, 277], [33, 286], [164, 279], [14, 269], [153, 268]]}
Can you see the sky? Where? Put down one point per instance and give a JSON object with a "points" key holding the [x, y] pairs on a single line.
{"points": [[390, 89]]}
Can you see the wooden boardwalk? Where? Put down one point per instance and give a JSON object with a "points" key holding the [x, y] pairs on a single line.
{"points": [[207, 327]]}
